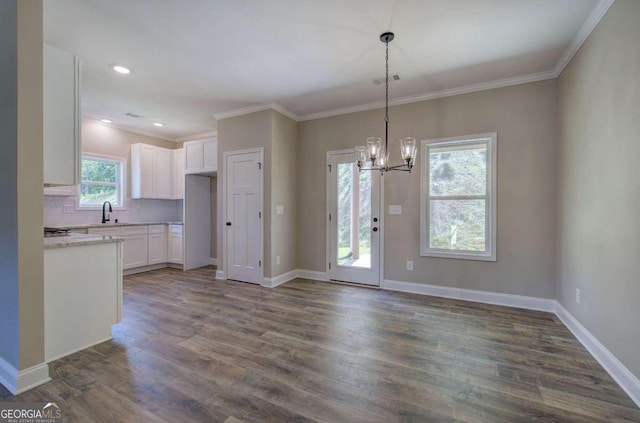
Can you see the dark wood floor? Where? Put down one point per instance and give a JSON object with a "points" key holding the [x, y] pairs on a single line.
{"points": [[191, 349]]}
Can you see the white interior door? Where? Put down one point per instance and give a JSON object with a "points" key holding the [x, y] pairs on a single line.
{"points": [[353, 222], [243, 212]]}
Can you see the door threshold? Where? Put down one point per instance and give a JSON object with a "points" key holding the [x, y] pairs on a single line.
{"points": [[354, 284]]}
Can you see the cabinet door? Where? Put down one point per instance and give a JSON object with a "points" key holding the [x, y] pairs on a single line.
{"points": [[135, 251], [146, 171], [178, 174], [176, 247], [61, 117], [193, 156], [157, 248], [210, 155], [162, 173]]}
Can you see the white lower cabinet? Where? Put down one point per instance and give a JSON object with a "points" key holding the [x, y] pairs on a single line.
{"points": [[147, 245], [157, 244], [176, 246]]}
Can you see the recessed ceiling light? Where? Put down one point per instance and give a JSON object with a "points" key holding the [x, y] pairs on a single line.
{"points": [[106, 120], [158, 124], [120, 69]]}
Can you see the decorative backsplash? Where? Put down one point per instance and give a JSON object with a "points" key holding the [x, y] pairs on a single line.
{"points": [[60, 211]]}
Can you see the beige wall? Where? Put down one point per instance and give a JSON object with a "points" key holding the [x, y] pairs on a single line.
{"points": [[284, 147], [599, 132], [524, 118], [242, 133], [21, 182]]}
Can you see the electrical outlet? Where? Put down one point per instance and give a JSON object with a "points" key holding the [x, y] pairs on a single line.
{"points": [[409, 265], [67, 208], [578, 295], [277, 259], [279, 209], [395, 209]]}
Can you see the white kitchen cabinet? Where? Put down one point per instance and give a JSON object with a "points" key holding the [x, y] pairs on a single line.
{"points": [[201, 156], [61, 117], [151, 172], [176, 246], [177, 166], [157, 244], [135, 246]]}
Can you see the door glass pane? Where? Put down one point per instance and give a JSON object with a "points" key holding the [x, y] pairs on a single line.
{"points": [[354, 217], [458, 225]]}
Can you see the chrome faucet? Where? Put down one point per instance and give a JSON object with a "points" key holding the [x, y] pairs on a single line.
{"points": [[106, 219]]}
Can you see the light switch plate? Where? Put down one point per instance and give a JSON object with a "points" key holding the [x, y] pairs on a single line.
{"points": [[279, 209], [395, 209]]}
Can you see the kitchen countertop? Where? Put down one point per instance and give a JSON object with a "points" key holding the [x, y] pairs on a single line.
{"points": [[110, 225], [76, 240]]}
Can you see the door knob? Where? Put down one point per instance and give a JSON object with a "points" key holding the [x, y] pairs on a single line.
{"points": [[375, 229], [375, 219], [228, 223]]}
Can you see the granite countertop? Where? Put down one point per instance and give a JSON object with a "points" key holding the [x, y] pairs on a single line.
{"points": [[110, 225], [76, 240]]}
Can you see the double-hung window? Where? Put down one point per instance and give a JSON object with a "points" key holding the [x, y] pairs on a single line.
{"points": [[458, 197], [102, 180]]}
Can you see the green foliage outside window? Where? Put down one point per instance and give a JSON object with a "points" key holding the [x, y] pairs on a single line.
{"points": [[100, 182]]}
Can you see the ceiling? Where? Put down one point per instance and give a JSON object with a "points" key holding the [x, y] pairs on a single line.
{"points": [[191, 60]]}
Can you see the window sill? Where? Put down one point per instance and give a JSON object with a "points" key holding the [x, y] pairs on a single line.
{"points": [[458, 256]]}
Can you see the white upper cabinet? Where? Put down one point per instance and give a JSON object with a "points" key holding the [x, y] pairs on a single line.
{"points": [[177, 165], [151, 172], [61, 113], [201, 156]]}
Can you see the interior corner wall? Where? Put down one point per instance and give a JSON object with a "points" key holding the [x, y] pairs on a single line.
{"points": [[242, 133], [9, 331], [599, 187], [524, 116], [284, 190]]}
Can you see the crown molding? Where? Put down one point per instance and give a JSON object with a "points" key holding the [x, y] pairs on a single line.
{"points": [[466, 89], [587, 28], [257, 108], [199, 136], [91, 119]]}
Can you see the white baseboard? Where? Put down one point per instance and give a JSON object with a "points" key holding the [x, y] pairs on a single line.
{"points": [[311, 274], [280, 279], [627, 380], [213, 261], [509, 300], [220, 274], [18, 381]]}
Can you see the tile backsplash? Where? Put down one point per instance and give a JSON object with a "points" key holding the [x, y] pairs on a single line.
{"points": [[60, 211]]}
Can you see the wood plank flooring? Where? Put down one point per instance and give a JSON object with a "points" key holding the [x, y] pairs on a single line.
{"points": [[192, 349]]}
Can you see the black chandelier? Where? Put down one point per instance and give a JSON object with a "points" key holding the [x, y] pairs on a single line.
{"points": [[375, 155]]}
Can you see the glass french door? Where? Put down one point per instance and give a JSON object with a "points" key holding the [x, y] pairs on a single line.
{"points": [[353, 221]]}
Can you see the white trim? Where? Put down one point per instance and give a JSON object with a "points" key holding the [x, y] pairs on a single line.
{"points": [[490, 197], [466, 89], [198, 137], [509, 300], [280, 279], [18, 381], [257, 108], [213, 261], [220, 275], [313, 275], [51, 359], [627, 381], [587, 28]]}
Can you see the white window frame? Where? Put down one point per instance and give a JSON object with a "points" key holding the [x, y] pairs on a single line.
{"points": [[491, 140], [121, 181]]}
